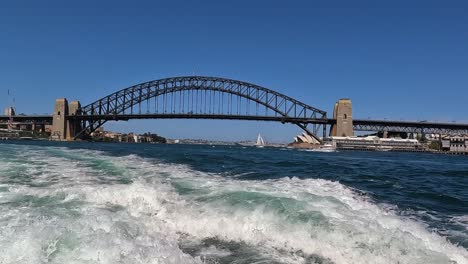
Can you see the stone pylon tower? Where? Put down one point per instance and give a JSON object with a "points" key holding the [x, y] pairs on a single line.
{"points": [[73, 126], [59, 122], [343, 114], [63, 128]]}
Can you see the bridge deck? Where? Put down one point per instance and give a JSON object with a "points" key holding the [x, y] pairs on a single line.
{"points": [[24, 118], [283, 119], [359, 124], [416, 124]]}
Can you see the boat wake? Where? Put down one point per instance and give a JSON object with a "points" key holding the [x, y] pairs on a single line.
{"points": [[83, 206]]}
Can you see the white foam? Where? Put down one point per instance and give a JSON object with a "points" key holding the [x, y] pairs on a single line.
{"points": [[214, 251], [82, 233], [462, 220], [141, 222], [359, 231]]}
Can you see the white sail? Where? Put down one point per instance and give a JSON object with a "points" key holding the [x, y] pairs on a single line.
{"points": [[260, 141]]}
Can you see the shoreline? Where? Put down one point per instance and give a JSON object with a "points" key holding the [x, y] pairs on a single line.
{"points": [[300, 146]]}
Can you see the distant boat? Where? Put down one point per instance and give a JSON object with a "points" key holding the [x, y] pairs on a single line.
{"points": [[327, 148], [245, 144], [260, 142], [324, 148]]}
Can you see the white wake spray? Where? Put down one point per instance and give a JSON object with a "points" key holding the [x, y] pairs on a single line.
{"points": [[90, 207]]}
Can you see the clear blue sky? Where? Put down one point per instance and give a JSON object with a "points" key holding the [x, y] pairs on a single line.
{"points": [[394, 60]]}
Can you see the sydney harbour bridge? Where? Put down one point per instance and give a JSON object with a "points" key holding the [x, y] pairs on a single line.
{"points": [[200, 97]]}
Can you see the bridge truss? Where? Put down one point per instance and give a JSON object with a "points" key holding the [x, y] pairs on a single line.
{"points": [[200, 97]]}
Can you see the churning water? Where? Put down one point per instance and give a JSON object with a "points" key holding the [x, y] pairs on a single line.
{"points": [[125, 203]]}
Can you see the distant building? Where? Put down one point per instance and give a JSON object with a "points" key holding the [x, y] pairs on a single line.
{"points": [[305, 138], [457, 144], [114, 136], [48, 129], [376, 143], [99, 132], [9, 111]]}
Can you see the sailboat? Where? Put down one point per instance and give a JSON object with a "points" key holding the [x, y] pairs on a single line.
{"points": [[260, 143]]}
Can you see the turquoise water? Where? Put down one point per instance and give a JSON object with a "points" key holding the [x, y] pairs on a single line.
{"points": [[138, 203]]}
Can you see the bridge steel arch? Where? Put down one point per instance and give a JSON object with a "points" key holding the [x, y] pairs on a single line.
{"points": [[278, 107]]}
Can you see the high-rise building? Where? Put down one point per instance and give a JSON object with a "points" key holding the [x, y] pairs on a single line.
{"points": [[9, 111]]}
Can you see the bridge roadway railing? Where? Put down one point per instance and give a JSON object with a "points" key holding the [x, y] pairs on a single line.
{"points": [[411, 127], [358, 124], [282, 119], [27, 118]]}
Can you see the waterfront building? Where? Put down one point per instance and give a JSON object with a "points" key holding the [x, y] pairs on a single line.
{"points": [[376, 143], [457, 144], [114, 136], [305, 138]]}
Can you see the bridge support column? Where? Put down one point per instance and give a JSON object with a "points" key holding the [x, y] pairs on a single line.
{"points": [[59, 122], [73, 126], [343, 114]]}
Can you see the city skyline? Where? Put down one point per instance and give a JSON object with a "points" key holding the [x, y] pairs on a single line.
{"points": [[409, 63]]}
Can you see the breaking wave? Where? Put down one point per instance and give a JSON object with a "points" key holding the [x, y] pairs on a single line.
{"points": [[59, 205]]}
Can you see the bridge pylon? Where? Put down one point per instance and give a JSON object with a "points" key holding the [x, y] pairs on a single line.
{"points": [[343, 114], [73, 125], [64, 129], [59, 124]]}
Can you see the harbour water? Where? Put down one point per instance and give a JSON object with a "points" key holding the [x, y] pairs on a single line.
{"points": [[140, 203]]}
